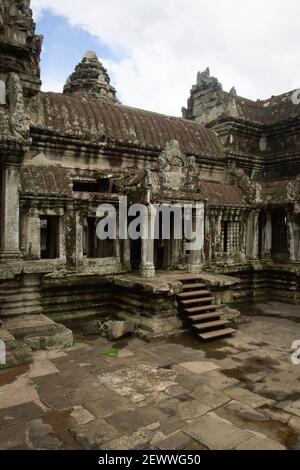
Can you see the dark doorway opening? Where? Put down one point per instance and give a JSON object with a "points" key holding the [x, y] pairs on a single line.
{"points": [[280, 249], [94, 247], [49, 237], [135, 254]]}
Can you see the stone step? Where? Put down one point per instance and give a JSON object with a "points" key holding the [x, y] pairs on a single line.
{"points": [[211, 324], [11, 305], [193, 286], [29, 324], [187, 278], [202, 300], [217, 334], [73, 316], [199, 293], [202, 309], [205, 316], [11, 312]]}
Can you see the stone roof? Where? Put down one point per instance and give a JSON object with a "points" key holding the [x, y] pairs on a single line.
{"points": [[283, 191], [208, 102], [269, 111], [101, 122], [222, 194]]}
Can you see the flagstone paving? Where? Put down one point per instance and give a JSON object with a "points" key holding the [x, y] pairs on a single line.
{"points": [[240, 393]]}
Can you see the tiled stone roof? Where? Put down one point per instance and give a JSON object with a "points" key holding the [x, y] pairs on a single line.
{"points": [[269, 111], [222, 194], [98, 122]]}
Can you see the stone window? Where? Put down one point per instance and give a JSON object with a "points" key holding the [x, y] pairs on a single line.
{"points": [[225, 236], [231, 237], [49, 237], [2, 93], [92, 246]]}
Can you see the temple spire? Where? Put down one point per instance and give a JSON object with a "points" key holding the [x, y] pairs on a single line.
{"points": [[91, 80], [20, 47]]}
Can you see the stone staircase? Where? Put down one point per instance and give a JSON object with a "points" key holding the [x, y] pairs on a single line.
{"points": [[196, 304]]}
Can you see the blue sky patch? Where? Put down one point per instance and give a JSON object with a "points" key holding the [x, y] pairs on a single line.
{"points": [[64, 47]]}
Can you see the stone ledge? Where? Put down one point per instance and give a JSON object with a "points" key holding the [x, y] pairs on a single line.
{"points": [[8, 339], [38, 332]]}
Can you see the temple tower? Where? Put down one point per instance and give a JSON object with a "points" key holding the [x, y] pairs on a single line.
{"points": [[20, 47], [19, 81], [90, 79]]}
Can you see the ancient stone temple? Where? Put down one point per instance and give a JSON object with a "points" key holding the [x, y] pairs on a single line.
{"points": [[64, 154]]}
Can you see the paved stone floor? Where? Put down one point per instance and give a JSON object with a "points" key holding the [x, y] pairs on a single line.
{"points": [[239, 393]]}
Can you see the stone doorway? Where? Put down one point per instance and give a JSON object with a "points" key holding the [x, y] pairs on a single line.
{"points": [[166, 251]]}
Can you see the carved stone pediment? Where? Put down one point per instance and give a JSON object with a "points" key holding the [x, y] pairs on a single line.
{"points": [[172, 159], [252, 189], [177, 172]]}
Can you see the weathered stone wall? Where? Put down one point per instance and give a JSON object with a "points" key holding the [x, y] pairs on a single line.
{"points": [[74, 301], [267, 284]]}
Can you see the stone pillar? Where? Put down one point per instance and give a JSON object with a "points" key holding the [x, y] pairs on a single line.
{"points": [[241, 219], [124, 239], [117, 251], [207, 239], [167, 254], [267, 236], [196, 256], [147, 268], [10, 243], [253, 235], [33, 235], [291, 236], [216, 234], [62, 235], [126, 254], [73, 238]]}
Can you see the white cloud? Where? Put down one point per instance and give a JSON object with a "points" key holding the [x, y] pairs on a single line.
{"points": [[250, 44]]}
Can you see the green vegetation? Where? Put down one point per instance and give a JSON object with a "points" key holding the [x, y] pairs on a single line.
{"points": [[113, 353]]}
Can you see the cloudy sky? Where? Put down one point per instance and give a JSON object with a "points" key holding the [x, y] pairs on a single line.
{"points": [[154, 48]]}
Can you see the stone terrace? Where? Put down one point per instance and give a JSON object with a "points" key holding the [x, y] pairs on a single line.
{"points": [[239, 393]]}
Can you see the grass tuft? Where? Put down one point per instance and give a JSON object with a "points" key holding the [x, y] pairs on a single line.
{"points": [[113, 353]]}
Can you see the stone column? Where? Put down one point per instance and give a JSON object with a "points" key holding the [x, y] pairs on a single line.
{"points": [[126, 254], [253, 235], [291, 236], [267, 236], [10, 243], [207, 239], [216, 227], [196, 256], [117, 250], [62, 235], [124, 240], [73, 238], [33, 235], [147, 268]]}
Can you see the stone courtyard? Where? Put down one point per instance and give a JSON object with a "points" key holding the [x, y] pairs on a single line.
{"points": [[237, 393]]}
